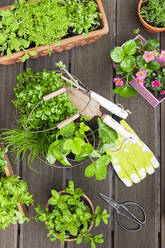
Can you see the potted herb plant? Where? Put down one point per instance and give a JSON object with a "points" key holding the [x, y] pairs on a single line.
{"points": [[139, 63], [38, 28], [152, 15], [70, 215], [14, 195]]}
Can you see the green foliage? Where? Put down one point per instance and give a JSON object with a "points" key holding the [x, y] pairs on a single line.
{"points": [[153, 12], [124, 55], [12, 191], [156, 76], [73, 139], [70, 216], [129, 60], [30, 89], [44, 22], [3, 161]]}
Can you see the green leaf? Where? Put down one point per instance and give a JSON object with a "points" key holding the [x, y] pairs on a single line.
{"points": [[74, 145], [9, 53], [153, 65], [128, 63], [106, 133], [101, 167], [125, 91], [25, 57], [130, 47], [68, 130], [79, 239], [117, 54], [32, 53], [90, 170], [2, 38], [140, 61], [151, 44]]}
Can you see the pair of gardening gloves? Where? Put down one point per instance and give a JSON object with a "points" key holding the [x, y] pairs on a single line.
{"points": [[132, 159]]}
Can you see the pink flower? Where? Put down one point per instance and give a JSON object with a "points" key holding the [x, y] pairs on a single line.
{"points": [[118, 81], [141, 74], [140, 81], [162, 92], [148, 56], [155, 83], [162, 55]]}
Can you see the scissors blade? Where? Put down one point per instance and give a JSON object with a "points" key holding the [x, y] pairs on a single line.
{"points": [[108, 200]]}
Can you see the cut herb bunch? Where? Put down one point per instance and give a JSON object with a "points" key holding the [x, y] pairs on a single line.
{"points": [[70, 215], [13, 190], [153, 12], [30, 89], [32, 23]]}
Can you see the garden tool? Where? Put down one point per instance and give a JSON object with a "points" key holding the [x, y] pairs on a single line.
{"points": [[122, 211], [131, 158]]}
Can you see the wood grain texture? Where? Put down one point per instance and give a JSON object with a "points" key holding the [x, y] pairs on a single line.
{"points": [[34, 234], [162, 136], [6, 2], [8, 238], [92, 65], [144, 120]]}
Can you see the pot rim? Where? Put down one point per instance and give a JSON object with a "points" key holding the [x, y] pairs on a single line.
{"points": [[90, 205], [148, 26]]}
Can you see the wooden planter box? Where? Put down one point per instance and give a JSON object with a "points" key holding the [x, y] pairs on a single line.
{"points": [[64, 44], [9, 172], [148, 95]]}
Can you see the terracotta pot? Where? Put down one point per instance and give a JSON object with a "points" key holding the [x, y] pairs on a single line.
{"points": [[90, 205], [9, 172], [148, 95], [65, 44], [145, 24]]}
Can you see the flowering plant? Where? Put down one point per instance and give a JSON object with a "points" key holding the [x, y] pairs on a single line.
{"points": [[141, 61]]}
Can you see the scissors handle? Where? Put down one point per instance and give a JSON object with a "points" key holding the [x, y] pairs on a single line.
{"points": [[130, 216]]}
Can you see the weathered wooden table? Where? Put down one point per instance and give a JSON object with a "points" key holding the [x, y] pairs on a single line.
{"points": [[93, 65]]}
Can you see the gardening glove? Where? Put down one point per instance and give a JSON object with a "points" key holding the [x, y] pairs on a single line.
{"points": [[132, 159]]}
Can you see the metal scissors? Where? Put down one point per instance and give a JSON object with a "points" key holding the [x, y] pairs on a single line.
{"points": [[121, 209]]}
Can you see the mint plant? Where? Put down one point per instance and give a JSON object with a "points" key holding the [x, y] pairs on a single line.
{"points": [[138, 60], [32, 23], [153, 12], [69, 215]]}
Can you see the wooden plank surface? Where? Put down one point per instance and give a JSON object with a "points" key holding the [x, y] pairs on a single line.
{"points": [[162, 236], [92, 65], [8, 238], [144, 120], [40, 185]]}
